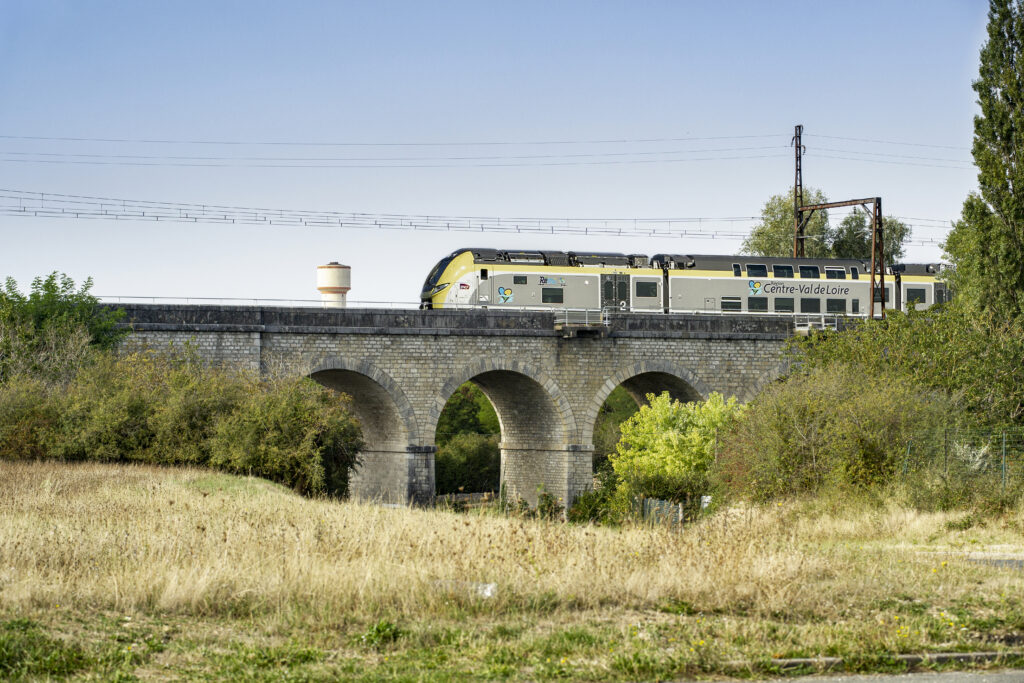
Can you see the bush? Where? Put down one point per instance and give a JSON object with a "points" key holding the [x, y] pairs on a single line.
{"points": [[468, 462], [946, 348], [175, 410], [597, 506], [833, 426], [668, 447], [294, 432], [26, 415]]}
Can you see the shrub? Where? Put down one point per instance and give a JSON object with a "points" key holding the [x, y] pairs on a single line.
{"points": [[833, 426], [597, 506], [468, 462], [294, 432], [26, 415], [668, 447], [105, 412], [175, 410], [946, 348]]}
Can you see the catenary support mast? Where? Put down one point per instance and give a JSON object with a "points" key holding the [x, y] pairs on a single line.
{"points": [[802, 215]]}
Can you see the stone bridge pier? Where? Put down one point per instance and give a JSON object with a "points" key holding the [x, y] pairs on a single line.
{"points": [[401, 367]]}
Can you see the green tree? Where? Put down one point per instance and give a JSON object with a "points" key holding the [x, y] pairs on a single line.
{"points": [[987, 243], [667, 447], [468, 463], [617, 408], [47, 332], [773, 236], [468, 411], [852, 237]]}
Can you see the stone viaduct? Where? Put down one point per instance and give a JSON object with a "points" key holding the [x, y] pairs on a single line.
{"points": [[546, 383]]}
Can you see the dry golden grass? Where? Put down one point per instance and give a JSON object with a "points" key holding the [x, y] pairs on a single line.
{"points": [[214, 550], [139, 538]]}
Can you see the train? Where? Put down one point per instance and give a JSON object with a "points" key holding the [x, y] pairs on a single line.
{"points": [[672, 283]]}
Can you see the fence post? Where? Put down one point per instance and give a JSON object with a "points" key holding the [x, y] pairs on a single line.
{"points": [[945, 451], [1004, 461]]}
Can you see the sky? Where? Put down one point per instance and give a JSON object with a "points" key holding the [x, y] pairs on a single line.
{"points": [[571, 112]]}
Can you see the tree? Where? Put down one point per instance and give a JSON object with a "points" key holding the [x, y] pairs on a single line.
{"points": [[852, 237], [773, 236], [467, 412], [986, 245], [48, 332]]}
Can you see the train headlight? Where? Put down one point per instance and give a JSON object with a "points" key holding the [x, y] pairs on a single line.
{"points": [[438, 288]]}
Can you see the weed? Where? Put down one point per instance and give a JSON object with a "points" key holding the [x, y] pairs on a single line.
{"points": [[26, 651], [381, 634]]}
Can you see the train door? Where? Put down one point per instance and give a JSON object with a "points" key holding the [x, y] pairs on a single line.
{"points": [[615, 291]]}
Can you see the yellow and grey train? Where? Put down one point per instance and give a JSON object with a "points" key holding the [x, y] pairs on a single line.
{"points": [[671, 283]]}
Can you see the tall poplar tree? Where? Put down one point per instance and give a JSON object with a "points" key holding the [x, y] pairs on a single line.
{"points": [[987, 243]]}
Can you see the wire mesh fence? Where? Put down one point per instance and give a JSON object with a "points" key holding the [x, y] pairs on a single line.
{"points": [[977, 456]]}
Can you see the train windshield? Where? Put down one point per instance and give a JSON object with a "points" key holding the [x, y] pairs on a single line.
{"points": [[436, 272]]}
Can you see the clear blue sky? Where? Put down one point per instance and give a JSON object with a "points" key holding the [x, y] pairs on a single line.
{"points": [[458, 72]]}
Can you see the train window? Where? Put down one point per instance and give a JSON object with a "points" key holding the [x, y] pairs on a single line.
{"points": [[757, 303], [782, 271], [552, 295], [731, 303], [483, 273], [755, 270], [835, 273], [736, 270], [647, 288], [608, 292], [855, 306], [519, 279], [940, 295], [835, 305], [916, 295], [810, 305], [854, 273], [783, 304], [810, 271], [623, 290], [887, 290]]}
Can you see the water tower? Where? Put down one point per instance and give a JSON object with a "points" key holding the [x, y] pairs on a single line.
{"points": [[333, 282]]}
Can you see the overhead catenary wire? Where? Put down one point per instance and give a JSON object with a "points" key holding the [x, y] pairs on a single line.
{"points": [[83, 207], [449, 143], [69, 157], [162, 157]]}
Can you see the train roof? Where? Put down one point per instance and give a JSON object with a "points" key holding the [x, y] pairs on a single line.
{"points": [[726, 262], [701, 261]]}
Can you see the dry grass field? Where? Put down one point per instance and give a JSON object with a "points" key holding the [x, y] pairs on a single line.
{"points": [[116, 571]]}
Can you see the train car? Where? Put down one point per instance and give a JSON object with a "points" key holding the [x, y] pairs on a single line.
{"points": [[670, 283]]}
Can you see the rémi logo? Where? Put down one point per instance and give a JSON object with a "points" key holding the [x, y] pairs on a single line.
{"points": [[755, 287]]}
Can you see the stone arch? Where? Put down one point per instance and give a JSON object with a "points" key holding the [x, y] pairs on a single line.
{"points": [[487, 374], [537, 426], [641, 379], [387, 416]]}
